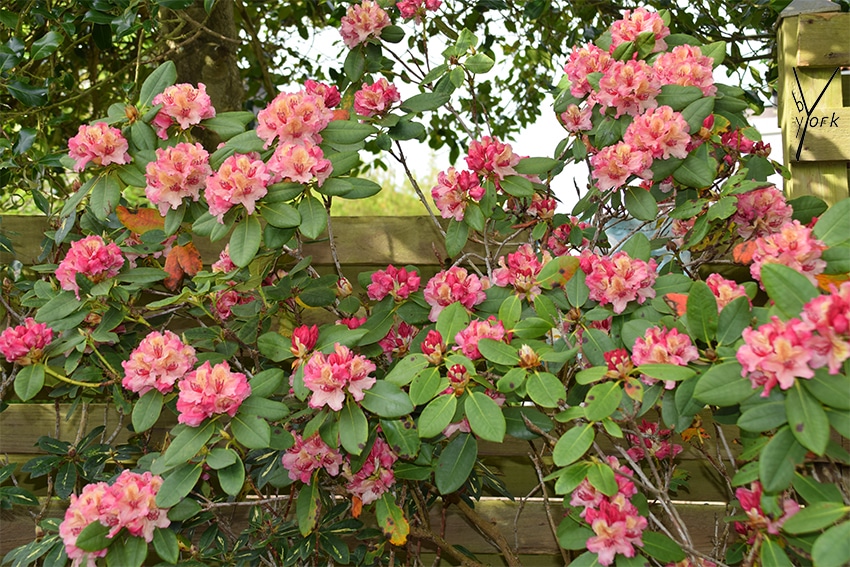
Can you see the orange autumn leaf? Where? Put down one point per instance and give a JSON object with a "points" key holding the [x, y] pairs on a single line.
{"points": [[825, 280], [141, 221], [181, 260], [743, 252], [391, 520], [678, 302], [340, 114], [356, 506]]}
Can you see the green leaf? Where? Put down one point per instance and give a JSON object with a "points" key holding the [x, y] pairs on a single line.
{"points": [[779, 459], [425, 101], [232, 477], [220, 457], [678, 97], [702, 312], [771, 554], [407, 369], [832, 548], [666, 371], [178, 484], [163, 76], [498, 352], [266, 382], [517, 186], [245, 241], [261, 407], [698, 170], [280, 214], [426, 385], [830, 389], [457, 234], [536, 165], [251, 431], [228, 124], [556, 273], [437, 415], [813, 491], [142, 275], [353, 428], [391, 520], [105, 196], [723, 385], [601, 477], [185, 445], [602, 400], [402, 436], [596, 345], [274, 346], [93, 537], [165, 544], [307, 507], [479, 63], [545, 389], [531, 327], [386, 399], [27, 94], [45, 45], [347, 132], [734, 318], [696, 112], [765, 416], [833, 227], [485, 417], [573, 445], [807, 419], [29, 381], [455, 463], [510, 311], [452, 320], [641, 204], [146, 411], [406, 130], [127, 551], [815, 517], [661, 547], [788, 288], [314, 218]]}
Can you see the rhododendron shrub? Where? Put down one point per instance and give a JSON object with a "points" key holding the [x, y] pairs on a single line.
{"points": [[683, 309]]}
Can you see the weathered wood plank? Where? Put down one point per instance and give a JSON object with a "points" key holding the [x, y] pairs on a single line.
{"points": [[824, 40]]}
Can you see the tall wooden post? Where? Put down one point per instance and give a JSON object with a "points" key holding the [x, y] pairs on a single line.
{"points": [[813, 46]]}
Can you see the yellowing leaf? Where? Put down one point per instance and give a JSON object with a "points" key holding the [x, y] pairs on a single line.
{"points": [[141, 221], [392, 520]]}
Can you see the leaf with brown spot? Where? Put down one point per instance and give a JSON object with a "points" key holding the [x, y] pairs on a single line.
{"points": [[678, 302], [392, 520], [141, 221], [181, 260]]}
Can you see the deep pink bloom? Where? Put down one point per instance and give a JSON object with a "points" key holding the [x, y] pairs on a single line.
{"points": [[467, 339], [92, 258], [661, 131], [300, 163], [375, 99], [561, 238], [629, 87], [397, 282], [352, 322], [491, 159], [454, 191], [158, 362], [776, 353], [396, 344], [613, 166], [520, 270], [100, 144], [304, 339], [210, 390], [329, 93], [541, 207], [294, 117], [584, 61], [637, 22], [24, 344], [178, 172], [361, 22], [308, 455], [685, 65], [183, 104], [828, 316], [725, 291], [619, 279], [757, 519], [375, 476], [434, 347], [660, 346], [793, 246], [653, 441], [617, 530], [241, 180], [224, 300], [328, 377], [450, 286], [761, 212], [417, 9]]}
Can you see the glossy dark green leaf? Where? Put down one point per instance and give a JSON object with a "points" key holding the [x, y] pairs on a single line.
{"points": [[245, 241], [163, 76], [386, 399], [455, 463]]}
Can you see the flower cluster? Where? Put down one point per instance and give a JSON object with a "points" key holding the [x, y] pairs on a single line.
{"points": [[241, 180], [761, 212], [295, 117], [309, 455], [210, 390], [520, 271], [454, 191], [300, 163], [467, 339], [650, 440], [397, 282], [637, 22], [375, 477], [725, 291], [660, 346], [184, 104], [160, 360], [328, 377], [24, 343], [491, 159], [375, 99], [130, 502], [362, 22], [100, 144], [618, 279], [757, 520], [417, 9], [178, 172], [91, 258], [792, 245], [454, 285]]}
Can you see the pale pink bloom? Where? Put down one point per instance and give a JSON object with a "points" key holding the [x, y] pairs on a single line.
{"points": [[158, 362], [584, 61], [757, 519], [829, 317], [361, 22], [375, 99], [661, 131], [294, 117], [375, 476], [434, 347], [685, 65], [761, 212], [396, 344], [454, 191], [450, 286], [329, 93], [614, 165], [630, 87], [467, 339], [793, 246], [224, 300], [619, 279], [653, 441], [520, 270], [300, 163], [617, 530], [308, 455], [491, 159], [660, 346], [224, 264], [131, 503], [100, 144], [577, 119], [775, 354], [178, 172], [417, 9], [637, 22], [725, 291], [24, 344], [397, 282], [241, 180], [210, 390], [82, 511], [92, 258], [328, 377], [183, 104]]}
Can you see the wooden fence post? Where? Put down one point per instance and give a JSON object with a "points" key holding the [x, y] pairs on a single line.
{"points": [[813, 45]]}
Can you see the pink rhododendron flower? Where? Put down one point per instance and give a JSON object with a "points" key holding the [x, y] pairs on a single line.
{"points": [[351, 322], [725, 291], [224, 300], [158, 362], [560, 240], [294, 117], [619, 279], [396, 344], [577, 119], [361, 22], [757, 519], [328, 377], [178, 172], [183, 104], [829, 317], [738, 141], [100, 144], [304, 339], [92, 258], [614, 165], [467, 339], [224, 265], [210, 390], [397, 282], [375, 99], [619, 363], [660, 346], [454, 191], [617, 530], [458, 376], [375, 476], [241, 180], [308, 455], [653, 441], [520, 270], [661, 131], [417, 9], [491, 159], [450, 286], [300, 163], [584, 61], [630, 87], [793, 246], [434, 347], [541, 207], [329, 93], [761, 212], [24, 343], [685, 65], [637, 22], [776, 353], [82, 511]]}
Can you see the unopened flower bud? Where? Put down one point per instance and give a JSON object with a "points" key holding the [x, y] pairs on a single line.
{"points": [[304, 338], [528, 359], [343, 288], [458, 378], [620, 364], [433, 347]]}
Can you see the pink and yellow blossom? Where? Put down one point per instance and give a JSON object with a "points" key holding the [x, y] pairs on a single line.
{"points": [[451, 286], [210, 390], [309, 455], [178, 172], [467, 339], [793, 246], [330, 376], [454, 191], [396, 282], [24, 344], [637, 22], [92, 258], [362, 22], [300, 163], [184, 104], [660, 346], [160, 360], [619, 279], [776, 353], [375, 476], [294, 118], [375, 99], [241, 180], [100, 144]]}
